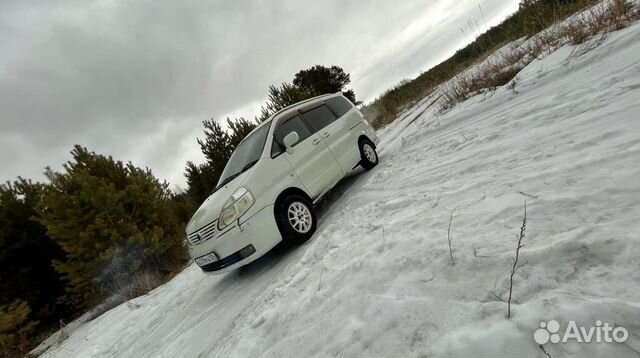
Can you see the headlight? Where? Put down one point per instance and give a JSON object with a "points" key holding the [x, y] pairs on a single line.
{"points": [[237, 205]]}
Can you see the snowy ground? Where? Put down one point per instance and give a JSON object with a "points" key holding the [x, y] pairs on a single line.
{"points": [[567, 140]]}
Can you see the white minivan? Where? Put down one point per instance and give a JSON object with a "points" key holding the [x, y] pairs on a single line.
{"points": [[267, 190]]}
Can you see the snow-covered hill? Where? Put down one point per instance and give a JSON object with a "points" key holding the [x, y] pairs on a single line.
{"points": [[377, 279]]}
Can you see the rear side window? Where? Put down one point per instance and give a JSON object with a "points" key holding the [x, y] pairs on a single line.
{"points": [[294, 124], [339, 105], [319, 117]]}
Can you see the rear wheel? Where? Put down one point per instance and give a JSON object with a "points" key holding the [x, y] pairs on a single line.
{"points": [[368, 154], [296, 219]]}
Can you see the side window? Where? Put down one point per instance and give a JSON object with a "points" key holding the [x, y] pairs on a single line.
{"points": [[339, 105], [294, 124], [319, 117]]}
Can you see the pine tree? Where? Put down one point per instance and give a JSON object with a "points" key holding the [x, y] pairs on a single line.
{"points": [[30, 289], [111, 219], [14, 326], [26, 252], [217, 146], [319, 80], [201, 180], [281, 97]]}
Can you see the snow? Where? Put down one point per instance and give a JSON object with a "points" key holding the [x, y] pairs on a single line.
{"points": [[377, 279]]}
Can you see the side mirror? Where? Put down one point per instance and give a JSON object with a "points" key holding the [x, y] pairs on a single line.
{"points": [[290, 140]]}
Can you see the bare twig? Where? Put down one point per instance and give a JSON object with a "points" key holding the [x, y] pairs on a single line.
{"points": [[496, 296], [475, 254], [521, 265], [449, 238], [429, 280], [515, 266], [320, 280], [463, 136], [512, 85], [63, 332], [529, 195], [424, 110], [544, 351]]}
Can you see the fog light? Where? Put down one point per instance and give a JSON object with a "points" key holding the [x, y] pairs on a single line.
{"points": [[247, 251]]}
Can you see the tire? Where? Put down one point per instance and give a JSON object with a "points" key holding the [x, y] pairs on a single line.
{"points": [[296, 219], [368, 154]]}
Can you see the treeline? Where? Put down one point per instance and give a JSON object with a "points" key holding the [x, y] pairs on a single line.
{"points": [[100, 228], [532, 17], [85, 235]]}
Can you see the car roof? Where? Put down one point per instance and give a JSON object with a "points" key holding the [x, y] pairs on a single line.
{"points": [[292, 108], [301, 104]]}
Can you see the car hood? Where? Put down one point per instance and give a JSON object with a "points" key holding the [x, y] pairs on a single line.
{"points": [[211, 208]]}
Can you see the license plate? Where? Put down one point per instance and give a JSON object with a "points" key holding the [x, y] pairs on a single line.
{"points": [[206, 259]]}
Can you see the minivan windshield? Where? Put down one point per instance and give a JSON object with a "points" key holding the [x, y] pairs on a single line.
{"points": [[246, 154]]}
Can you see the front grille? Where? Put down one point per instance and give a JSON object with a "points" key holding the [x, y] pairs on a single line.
{"points": [[203, 234]]}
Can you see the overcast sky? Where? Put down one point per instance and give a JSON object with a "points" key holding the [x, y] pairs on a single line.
{"points": [[135, 79]]}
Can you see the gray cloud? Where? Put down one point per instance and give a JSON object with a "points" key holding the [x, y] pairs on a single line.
{"points": [[135, 79]]}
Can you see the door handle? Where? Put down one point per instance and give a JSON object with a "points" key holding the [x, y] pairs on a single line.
{"points": [[316, 141], [325, 135]]}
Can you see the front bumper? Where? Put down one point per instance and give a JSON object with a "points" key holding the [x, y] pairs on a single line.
{"points": [[242, 244]]}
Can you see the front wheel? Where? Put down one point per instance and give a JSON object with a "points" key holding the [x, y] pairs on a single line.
{"points": [[296, 219], [368, 154]]}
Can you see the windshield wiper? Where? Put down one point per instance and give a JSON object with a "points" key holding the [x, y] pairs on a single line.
{"points": [[229, 178], [233, 176], [249, 165]]}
